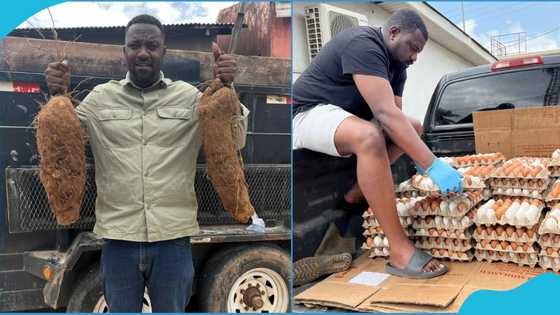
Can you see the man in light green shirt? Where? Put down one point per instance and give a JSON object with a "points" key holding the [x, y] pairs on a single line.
{"points": [[145, 137]]}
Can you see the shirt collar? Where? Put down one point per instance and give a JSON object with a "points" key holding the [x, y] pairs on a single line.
{"points": [[161, 83]]}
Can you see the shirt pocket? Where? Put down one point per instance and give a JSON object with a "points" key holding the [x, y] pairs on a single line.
{"points": [[117, 127], [174, 125]]}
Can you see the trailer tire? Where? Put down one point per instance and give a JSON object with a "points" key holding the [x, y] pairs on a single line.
{"points": [[246, 279], [88, 294]]}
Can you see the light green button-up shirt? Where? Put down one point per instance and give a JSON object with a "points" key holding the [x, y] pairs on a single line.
{"points": [[145, 143]]}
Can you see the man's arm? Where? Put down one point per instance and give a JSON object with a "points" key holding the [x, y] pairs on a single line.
{"points": [[379, 95], [398, 102]]}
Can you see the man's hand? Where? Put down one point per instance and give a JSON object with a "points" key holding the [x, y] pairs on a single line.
{"points": [[225, 68], [446, 177], [58, 77]]}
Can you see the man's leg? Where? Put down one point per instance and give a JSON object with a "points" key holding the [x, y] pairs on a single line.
{"points": [[355, 195], [170, 275], [367, 142], [123, 284]]}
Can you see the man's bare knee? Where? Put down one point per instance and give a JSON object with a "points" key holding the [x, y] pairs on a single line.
{"points": [[371, 139]]}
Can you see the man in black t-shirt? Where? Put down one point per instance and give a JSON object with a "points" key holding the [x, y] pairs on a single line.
{"points": [[348, 101]]}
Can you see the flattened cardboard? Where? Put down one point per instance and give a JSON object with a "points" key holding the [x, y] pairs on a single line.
{"points": [[518, 132], [443, 294], [336, 294]]}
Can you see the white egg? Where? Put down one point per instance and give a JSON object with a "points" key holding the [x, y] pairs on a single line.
{"points": [[557, 260], [377, 241], [556, 154], [454, 222], [452, 206], [465, 221], [522, 217], [509, 191], [385, 251], [512, 255], [551, 225], [532, 213], [555, 213], [446, 221], [546, 260], [491, 215], [481, 214], [517, 191], [533, 256], [438, 221], [535, 194], [444, 207], [385, 242], [401, 209]]}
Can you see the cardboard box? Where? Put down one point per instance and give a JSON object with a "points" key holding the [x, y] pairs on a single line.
{"points": [[518, 132], [442, 294]]}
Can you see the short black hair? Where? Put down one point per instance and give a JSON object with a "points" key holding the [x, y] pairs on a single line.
{"points": [[145, 19], [408, 20]]}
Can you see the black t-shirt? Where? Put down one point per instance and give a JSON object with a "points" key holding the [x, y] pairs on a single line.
{"points": [[328, 80]]}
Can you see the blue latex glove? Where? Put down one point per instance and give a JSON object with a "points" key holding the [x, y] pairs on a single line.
{"points": [[446, 177], [419, 168]]}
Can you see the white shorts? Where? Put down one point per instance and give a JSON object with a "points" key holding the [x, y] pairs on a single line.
{"points": [[314, 129]]}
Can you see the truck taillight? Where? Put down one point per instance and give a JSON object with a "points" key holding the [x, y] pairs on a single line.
{"points": [[517, 62]]}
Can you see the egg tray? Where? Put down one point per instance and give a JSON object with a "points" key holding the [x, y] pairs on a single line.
{"points": [[379, 231], [540, 184], [371, 242], [505, 246], [453, 223], [445, 243], [514, 237], [549, 240], [553, 252], [518, 192], [544, 229], [372, 222], [486, 194], [553, 193], [504, 221], [481, 159], [451, 255], [550, 263], [554, 170], [481, 171], [442, 207], [452, 234], [530, 260], [378, 252], [424, 183], [405, 205]]}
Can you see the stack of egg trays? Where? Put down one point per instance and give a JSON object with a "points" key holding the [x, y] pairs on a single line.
{"points": [[376, 241], [507, 239], [443, 225], [405, 189], [554, 164], [530, 185], [549, 240]]}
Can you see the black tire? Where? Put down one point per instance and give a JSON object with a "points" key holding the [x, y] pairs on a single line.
{"points": [[87, 291], [227, 266]]}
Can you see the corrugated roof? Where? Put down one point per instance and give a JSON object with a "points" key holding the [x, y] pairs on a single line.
{"points": [[165, 26]]}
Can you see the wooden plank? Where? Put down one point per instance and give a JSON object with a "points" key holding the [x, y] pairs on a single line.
{"points": [[101, 60]]}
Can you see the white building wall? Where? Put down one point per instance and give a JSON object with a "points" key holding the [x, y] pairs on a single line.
{"points": [[433, 62]]}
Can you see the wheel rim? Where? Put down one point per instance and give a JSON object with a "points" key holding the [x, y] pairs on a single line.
{"points": [[102, 307], [258, 290]]}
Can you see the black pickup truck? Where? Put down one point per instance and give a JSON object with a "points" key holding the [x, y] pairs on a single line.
{"points": [[320, 181], [45, 265]]}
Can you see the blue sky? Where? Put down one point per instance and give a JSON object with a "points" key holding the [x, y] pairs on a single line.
{"points": [[70, 14], [539, 20]]}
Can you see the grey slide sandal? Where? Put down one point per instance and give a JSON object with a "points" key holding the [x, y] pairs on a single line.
{"points": [[414, 268]]}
